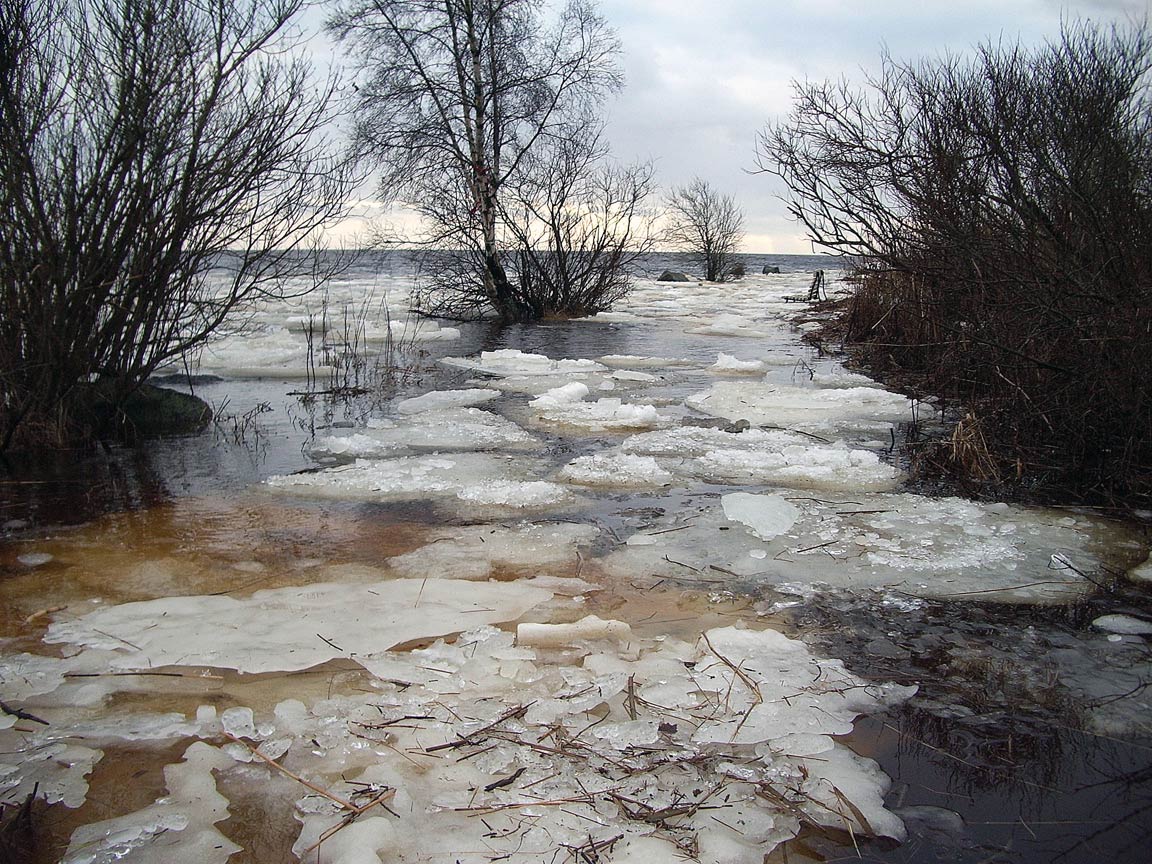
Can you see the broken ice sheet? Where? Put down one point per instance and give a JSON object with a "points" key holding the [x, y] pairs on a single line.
{"points": [[920, 546], [615, 469], [481, 739], [178, 827], [483, 551], [438, 400], [509, 362], [455, 428], [480, 479], [286, 629], [771, 456], [813, 410]]}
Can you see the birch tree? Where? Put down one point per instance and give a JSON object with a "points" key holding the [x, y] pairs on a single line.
{"points": [[455, 95]]}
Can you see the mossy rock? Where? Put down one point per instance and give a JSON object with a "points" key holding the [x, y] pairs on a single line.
{"points": [[149, 412], [154, 411]]}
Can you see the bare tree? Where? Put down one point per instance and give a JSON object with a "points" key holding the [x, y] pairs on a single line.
{"points": [[456, 94], [161, 162], [1002, 208], [707, 225], [579, 224]]}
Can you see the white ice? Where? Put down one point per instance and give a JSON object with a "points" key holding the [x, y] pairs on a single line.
{"points": [[178, 827], [431, 430], [483, 551], [478, 479], [284, 629]]}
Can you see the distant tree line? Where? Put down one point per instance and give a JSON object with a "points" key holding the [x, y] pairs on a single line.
{"points": [[1001, 212]]}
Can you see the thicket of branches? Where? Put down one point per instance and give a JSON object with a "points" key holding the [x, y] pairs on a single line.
{"points": [[1002, 211], [475, 113], [140, 138], [709, 226]]}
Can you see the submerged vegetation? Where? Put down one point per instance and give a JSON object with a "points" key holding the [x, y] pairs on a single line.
{"points": [[1001, 213]]}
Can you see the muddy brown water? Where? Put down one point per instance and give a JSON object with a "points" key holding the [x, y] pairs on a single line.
{"points": [[993, 761]]}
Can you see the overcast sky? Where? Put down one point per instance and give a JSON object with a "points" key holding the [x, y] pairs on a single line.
{"points": [[704, 76]]}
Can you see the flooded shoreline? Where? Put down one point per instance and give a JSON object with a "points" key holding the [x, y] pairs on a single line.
{"points": [[623, 486]]}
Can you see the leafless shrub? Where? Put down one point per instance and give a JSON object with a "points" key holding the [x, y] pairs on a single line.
{"points": [[1003, 210], [161, 162], [707, 225]]}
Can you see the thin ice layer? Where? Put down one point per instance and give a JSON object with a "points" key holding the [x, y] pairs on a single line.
{"points": [[509, 361], [764, 403], [615, 469], [178, 827], [767, 456], [482, 551], [285, 629]]}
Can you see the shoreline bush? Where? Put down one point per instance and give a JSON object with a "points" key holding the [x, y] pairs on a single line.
{"points": [[1001, 213]]}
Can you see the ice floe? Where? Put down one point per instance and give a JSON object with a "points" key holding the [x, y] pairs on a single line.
{"points": [[438, 400], [486, 551], [615, 469], [178, 827], [480, 479], [486, 748], [926, 547], [284, 629], [809, 409], [431, 430], [726, 364], [764, 456], [509, 362]]}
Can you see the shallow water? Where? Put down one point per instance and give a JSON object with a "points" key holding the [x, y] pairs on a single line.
{"points": [[1029, 724]]}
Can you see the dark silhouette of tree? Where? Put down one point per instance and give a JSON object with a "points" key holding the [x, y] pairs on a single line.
{"points": [[161, 162], [455, 97], [579, 223], [1002, 210], [707, 225]]}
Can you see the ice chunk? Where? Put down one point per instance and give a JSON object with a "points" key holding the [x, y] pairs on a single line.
{"points": [[438, 400], [514, 493], [763, 403], [726, 364], [34, 559], [55, 770], [178, 827], [615, 469], [1125, 624], [767, 516], [919, 546], [481, 552], [634, 361], [586, 629], [476, 478], [566, 394], [24, 675], [601, 415], [286, 629], [238, 722], [509, 361], [436, 430], [731, 325]]}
